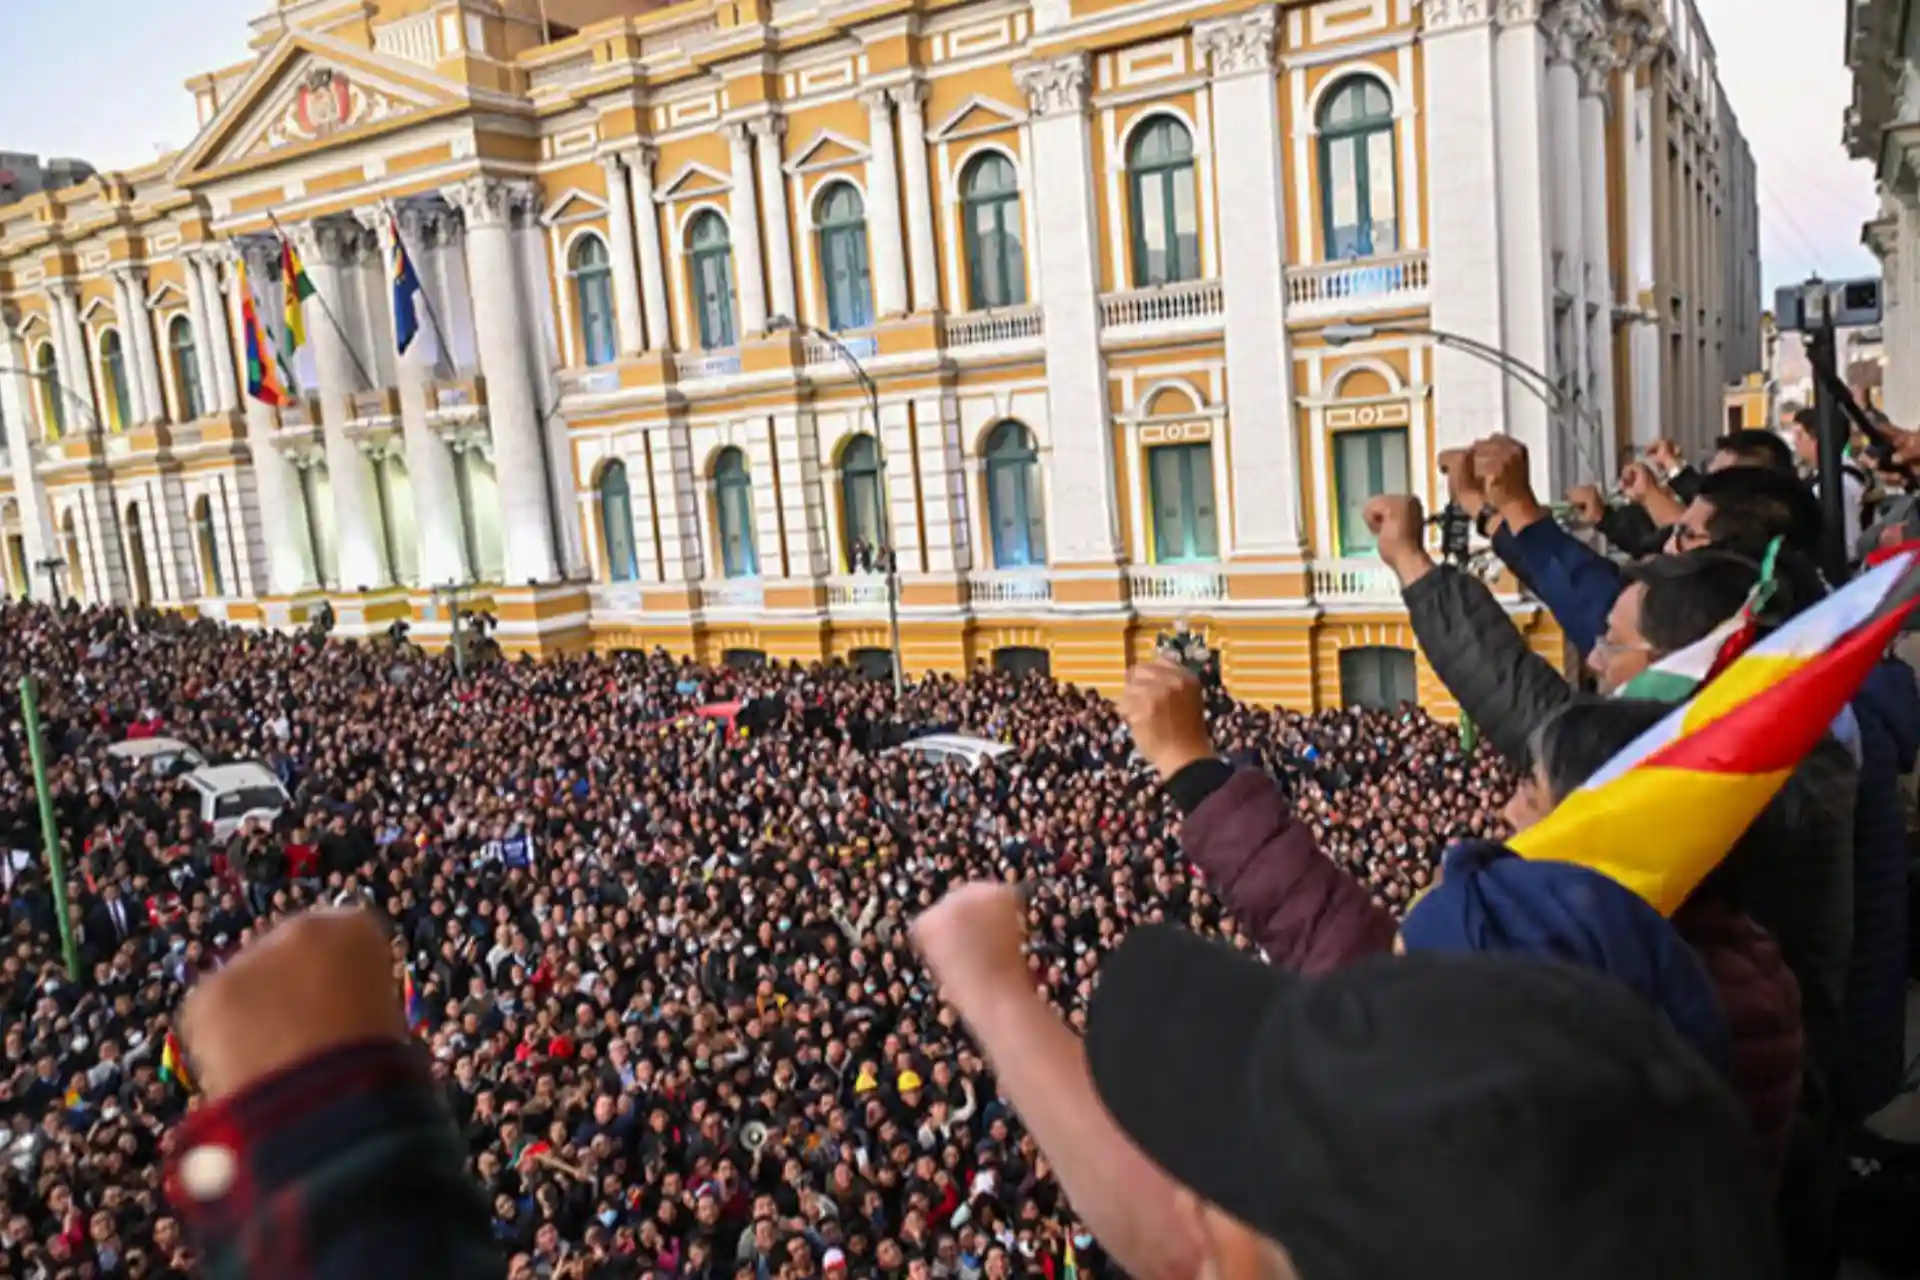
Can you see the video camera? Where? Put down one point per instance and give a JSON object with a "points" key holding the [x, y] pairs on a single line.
{"points": [[1189, 649]]}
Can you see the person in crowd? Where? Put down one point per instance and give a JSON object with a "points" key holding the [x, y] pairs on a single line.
{"points": [[1307, 915], [662, 973]]}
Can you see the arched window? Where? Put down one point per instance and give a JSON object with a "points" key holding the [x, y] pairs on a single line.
{"points": [[206, 543], [186, 368], [1359, 191], [711, 261], [1181, 479], [593, 291], [1164, 204], [113, 364], [862, 499], [53, 401], [616, 522], [843, 258], [733, 512], [996, 261], [1014, 508]]}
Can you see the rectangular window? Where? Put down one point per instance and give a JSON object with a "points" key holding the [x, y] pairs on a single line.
{"points": [[1365, 465], [1184, 521]]}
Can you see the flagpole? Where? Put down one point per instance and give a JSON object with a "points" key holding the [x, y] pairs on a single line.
{"points": [[444, 353], [360, 367]]}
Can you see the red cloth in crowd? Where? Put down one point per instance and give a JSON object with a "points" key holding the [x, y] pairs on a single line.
{"points": [[303, 860], [140, 730]]}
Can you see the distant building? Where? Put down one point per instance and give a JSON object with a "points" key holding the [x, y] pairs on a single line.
{"points": [[1883, 128], [23, 175]]}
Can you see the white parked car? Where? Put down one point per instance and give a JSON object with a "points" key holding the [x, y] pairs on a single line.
{"points": [[232, 793], [158, 755], [945, 748]]}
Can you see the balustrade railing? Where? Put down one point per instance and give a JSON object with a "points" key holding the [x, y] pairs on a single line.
{"points": [[1355, 285], [414, 39], [1163, 304], [1176, 584], [1008, 324]]}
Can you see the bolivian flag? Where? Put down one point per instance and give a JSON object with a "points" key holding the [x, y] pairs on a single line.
{"points": [[298, 288], [1663, 813]]}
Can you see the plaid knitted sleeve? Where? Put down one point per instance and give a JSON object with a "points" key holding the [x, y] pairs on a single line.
{"points": [[344, 1167]]}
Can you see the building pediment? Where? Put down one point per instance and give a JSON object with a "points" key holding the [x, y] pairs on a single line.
{"points": [[975, 116], [573, 205], [310, 90], [167, 295], [827, 150], [695, 179]]}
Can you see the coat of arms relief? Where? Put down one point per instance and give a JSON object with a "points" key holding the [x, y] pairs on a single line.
{"points": [[326, 101]]}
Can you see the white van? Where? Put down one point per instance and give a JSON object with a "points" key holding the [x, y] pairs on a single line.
{"points": [[231, 793], [158, 756], [945, 748]]}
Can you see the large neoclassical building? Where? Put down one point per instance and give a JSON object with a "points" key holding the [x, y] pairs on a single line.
{"points": [[718, 296]]}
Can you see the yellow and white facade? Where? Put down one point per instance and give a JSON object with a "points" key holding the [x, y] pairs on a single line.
{"points": [[1078, 258]]}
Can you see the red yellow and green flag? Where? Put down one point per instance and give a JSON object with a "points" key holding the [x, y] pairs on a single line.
{"points": [[1721, 758], [173, 1063], [263, 373], [298, 288]]}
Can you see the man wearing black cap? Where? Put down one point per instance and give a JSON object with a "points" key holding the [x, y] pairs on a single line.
{"points": [[1425, 1116]]}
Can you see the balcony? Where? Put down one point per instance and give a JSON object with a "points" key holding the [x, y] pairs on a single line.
{"points": [[598, 381], [1176, 584], [1011, 590], [559, 73], [745, 595], [1191, 304], [818, 352], [857, 591], [1355, 582], [691, 366], [987, 328], [1357, 286], [412, 39]]}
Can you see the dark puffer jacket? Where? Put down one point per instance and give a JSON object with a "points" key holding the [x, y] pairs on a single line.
{"points": [[1310, 916]]}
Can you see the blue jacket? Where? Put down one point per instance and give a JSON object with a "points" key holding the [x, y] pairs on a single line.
{"points": [[1888, 709], [1576, 583]]}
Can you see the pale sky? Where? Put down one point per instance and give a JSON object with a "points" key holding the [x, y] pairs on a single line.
{"points": [[104, 83]]}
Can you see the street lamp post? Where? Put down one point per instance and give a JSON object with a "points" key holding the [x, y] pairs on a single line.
{"points": [[52, 566], [886, 559], [1545, 389], [450, 596]]}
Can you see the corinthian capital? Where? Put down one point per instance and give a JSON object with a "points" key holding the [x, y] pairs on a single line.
{"points": [[1056, 87], [1441, 16], [486, 201], [769, 126], [1239, 45]]}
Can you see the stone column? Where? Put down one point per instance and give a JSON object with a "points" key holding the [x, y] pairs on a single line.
{"points": [[883, 208], [1253, 239], [653, 271], [626, 279], [1466, 266], [744, 213], [1642, 281], [677, 505], [139, 411], [925, 259], [202, 303], [1526, 229], [489, 206], [1568, 31], [1596, 84], [767, 131], [279, 507], [223, 392], [1082, 513], [430, 475], [331, 252], [137, 335], [16, 414], [70, 344]]}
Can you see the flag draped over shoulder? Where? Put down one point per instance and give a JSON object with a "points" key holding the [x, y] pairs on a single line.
{"points": [[299, 287], [416, 1008], [406, 294], [1664, 812], [263, 374]]}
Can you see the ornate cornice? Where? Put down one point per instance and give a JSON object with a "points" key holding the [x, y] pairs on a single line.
{"points": [[487, 201], [1239, 45], [1056, 87]]}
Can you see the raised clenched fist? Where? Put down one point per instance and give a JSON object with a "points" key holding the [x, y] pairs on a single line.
{"points": [[1588, 504], [1164, 707]]}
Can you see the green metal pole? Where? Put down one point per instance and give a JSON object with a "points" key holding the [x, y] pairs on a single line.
{"points": [[1469, 734], [49, 829]]}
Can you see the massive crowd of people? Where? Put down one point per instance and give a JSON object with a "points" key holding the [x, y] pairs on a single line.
{"points": [[663, 968]]}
